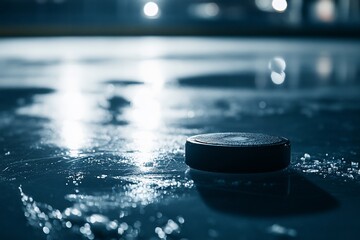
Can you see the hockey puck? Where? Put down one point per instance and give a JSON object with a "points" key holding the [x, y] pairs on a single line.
{"points": [[237, 152]]}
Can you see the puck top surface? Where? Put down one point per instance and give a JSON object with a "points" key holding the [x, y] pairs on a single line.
{"points": [[237, 152], [237, 139]]}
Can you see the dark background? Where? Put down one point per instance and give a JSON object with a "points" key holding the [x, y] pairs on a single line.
{"points": [[180, 17]]}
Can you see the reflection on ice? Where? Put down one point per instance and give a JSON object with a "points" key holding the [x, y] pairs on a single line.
{"points": [[71, 109], [145, 115], [144, 143], [146, 118], [146, 112], [152, 72], [73, 137]]}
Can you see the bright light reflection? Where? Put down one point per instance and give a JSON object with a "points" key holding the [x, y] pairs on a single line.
{"points": [[73, 137], [151, 10], [279, 5], [146, 113], [71, 109], [152, 72], [144, 143], [147, 119]]}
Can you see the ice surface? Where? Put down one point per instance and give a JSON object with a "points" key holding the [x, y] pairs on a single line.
{"points": [[96, 138]]}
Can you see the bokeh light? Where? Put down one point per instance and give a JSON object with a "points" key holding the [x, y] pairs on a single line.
{"points": [[279, 5], [151, 10], [264, 5], [325, 10], [205, 10]]}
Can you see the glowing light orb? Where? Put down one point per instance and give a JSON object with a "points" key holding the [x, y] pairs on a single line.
{"points": [[279, 5], [151, 10]]}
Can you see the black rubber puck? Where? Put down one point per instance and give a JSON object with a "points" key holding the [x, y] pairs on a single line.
{"points": [[237, 152]]}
